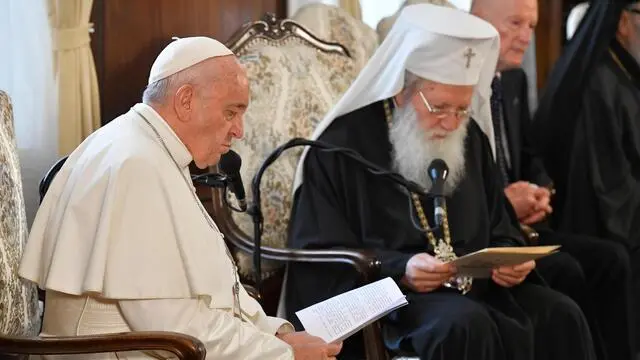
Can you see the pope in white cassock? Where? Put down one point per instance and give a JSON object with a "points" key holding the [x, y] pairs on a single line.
{"points": [[121, 242]]}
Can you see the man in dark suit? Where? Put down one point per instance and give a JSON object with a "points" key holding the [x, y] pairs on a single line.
{"points": [[594, 272]]}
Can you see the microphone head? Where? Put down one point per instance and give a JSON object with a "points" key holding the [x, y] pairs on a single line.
{"points": [[438, 171], [230, 163]]}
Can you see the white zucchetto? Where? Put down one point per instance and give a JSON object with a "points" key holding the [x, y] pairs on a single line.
{"points": [[183, 53]]}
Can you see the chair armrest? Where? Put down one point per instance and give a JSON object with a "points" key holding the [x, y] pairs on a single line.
{"points": [[185, 347], [363, 261]]}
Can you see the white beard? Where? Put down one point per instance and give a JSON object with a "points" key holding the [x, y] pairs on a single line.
{"points": [[414, 150]]}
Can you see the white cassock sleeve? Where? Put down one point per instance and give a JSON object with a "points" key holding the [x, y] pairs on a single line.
{"points": [[224, 336]]}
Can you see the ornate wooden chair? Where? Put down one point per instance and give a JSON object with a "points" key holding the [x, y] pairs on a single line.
{"points": [[19, 315], [184, 347], [295, 79], [334, 24]]}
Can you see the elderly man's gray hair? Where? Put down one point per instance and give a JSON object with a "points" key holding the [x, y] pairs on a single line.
{"points": [[157, 91]]}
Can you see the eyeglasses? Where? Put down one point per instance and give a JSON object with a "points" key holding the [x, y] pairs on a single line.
{"points": [[441, 114]]}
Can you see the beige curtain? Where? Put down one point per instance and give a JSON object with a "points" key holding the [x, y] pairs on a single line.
{"points": [[76, 80], [352, 7]]}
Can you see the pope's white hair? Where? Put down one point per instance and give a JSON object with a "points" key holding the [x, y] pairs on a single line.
{"points": [[157, 91], [200, 74]]}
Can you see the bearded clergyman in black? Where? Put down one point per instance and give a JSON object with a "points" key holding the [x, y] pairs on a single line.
{"points": [[412, 104]]}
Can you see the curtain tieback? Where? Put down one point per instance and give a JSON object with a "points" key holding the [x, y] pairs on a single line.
{"points": [[72, 38]]}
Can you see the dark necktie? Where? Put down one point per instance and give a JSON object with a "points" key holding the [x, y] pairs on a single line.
{"points": [[496, 116]]}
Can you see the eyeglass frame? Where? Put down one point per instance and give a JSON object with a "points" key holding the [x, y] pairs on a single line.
{"points": [[442, 114]]}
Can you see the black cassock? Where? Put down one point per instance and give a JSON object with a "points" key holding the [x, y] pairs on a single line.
{"points": [[599, 184], [340, 205], [594, 272]]}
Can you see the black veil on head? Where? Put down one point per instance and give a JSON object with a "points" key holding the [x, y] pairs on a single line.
{"points": [[556, 117]]}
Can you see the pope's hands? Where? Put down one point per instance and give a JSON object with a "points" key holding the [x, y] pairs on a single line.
{"points": [[424, 273], [508, 276], [309, 347], [531, 202]]}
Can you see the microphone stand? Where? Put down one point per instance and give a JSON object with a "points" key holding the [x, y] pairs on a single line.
{"points": [[254, 209], [213, 180]]}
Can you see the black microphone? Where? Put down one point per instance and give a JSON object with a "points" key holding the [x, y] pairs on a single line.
{"points": [[230, 165], [438, 172]]}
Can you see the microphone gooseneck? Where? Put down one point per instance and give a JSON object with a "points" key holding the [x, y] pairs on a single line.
{"points": [[438, 172], [210, 179]]}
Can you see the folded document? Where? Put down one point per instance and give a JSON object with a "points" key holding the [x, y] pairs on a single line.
{"points": [[480, 263], [341, 316]]}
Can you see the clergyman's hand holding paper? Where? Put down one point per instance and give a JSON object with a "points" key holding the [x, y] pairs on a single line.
{"points": [[480, 263]]}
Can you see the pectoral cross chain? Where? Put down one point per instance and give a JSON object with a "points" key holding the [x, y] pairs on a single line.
{"points": [[235, 289]]}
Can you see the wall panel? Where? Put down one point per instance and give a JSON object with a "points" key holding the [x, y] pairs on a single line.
{"points": [[130, 34]]}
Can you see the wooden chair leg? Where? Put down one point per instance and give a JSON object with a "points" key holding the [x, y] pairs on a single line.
{"points": [[373, 343]]}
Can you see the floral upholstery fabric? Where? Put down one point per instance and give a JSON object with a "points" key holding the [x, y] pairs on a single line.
{"points": [[334, 24], [18, 299], [293, 85]]}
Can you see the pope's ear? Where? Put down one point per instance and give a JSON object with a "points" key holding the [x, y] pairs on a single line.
{"points": [[183, 101]]}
